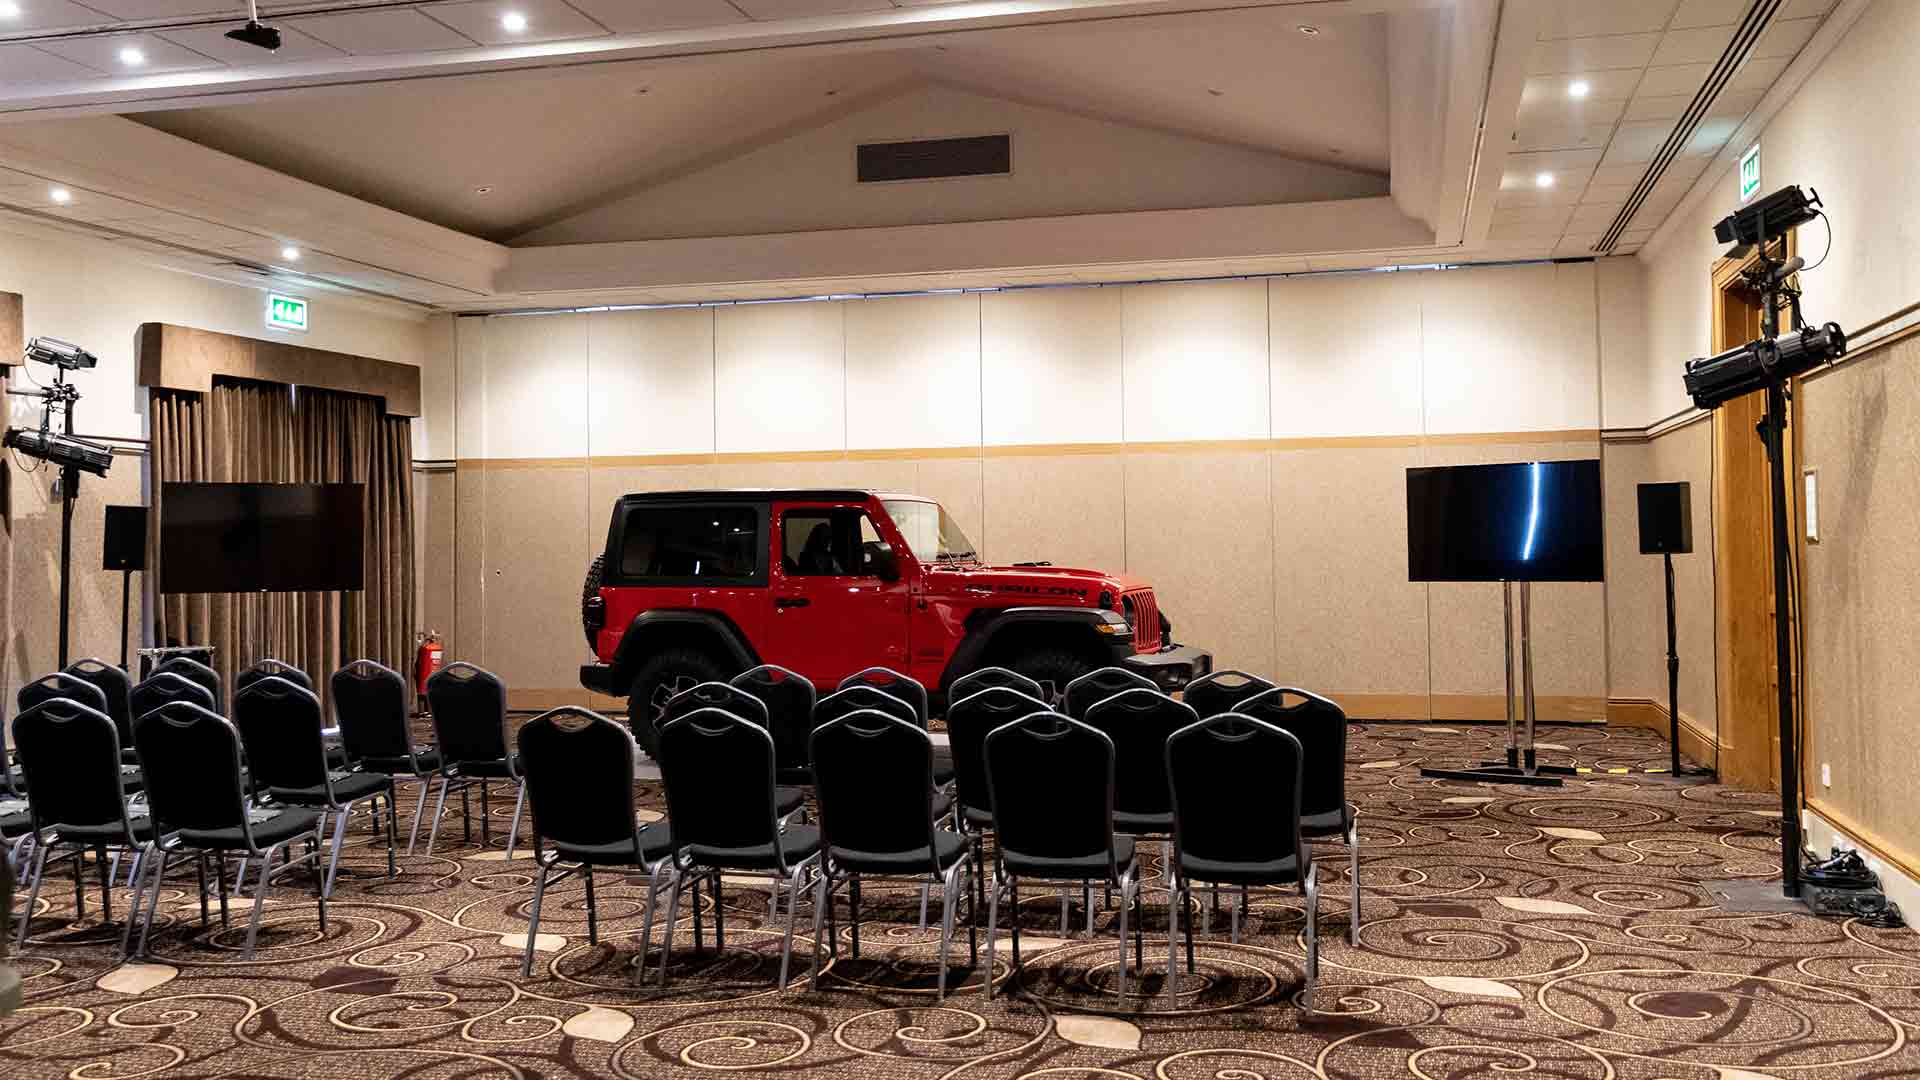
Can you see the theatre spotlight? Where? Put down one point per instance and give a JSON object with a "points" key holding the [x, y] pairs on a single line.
{"points": [[1712, 380], [61, 450], [60, 354], [256, 33], [1770, 217]]}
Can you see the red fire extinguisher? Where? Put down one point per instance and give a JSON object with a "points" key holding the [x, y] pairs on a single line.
{"points": [[428, 658]]}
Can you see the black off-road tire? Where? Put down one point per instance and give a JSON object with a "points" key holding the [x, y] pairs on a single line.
{"points": [[1052, 668], [663, 675], [589, 592]]}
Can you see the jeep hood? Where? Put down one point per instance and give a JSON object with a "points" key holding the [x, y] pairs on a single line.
{"points": [[1044, 584]]}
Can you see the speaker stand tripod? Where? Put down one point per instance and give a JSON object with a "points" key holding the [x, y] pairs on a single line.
{"points": [[1522, 765]]}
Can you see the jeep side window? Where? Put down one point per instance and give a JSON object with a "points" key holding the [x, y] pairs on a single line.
{"points": [[830, 542], [690, 543]]}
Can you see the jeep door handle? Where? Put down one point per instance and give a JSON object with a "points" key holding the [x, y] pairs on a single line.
{"points": [[790, 601]]}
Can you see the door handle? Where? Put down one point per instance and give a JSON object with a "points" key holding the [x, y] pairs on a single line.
{"points": [[790, 601]]}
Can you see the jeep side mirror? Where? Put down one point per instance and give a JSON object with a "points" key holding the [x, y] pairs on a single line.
{"points": [[881, 562]]}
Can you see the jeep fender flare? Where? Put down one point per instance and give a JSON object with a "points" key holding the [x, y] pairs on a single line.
{"points": [[1077, 624], [665, 627]]}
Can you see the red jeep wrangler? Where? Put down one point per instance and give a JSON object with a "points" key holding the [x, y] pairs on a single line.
{"points": [[698, 585]]}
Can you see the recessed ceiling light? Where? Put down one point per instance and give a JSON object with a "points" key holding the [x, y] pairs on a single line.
{"points": [[60, 195], [483, 189], [1544, 179], [1216, 93], [513, 22], [9, 9], [132, 57], [1308, 29], [290, 253], [1579, 88]]}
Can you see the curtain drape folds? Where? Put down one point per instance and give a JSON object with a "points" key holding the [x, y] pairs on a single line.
{"points": [[252, 432]]}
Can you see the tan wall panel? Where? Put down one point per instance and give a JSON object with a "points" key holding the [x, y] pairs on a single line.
{"points": [[1346, 355], [1511, 348], [1346, 617], [913, 371], [535, 397], [1050, 366], [435, 508], [33, 641], [1196, 361], [535, 558], [779, 377], [1198, 528], [467, 635], [650, 382], [1069, 509]]}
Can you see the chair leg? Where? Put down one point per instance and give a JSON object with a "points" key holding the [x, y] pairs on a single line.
{"points": [[259, 901], [973, 912], [1353, 872], [923, 906], [133, 898], [1173, 938], [513, 831], [33, 892], [200, 869], [720, 914], [949, 898], [1063, 911], [1013, 902], [673, 918], [1312, 889], [439, 808], [339, 839], [393, 840], [533, 921], [822, 897], [793, 905], [419, 811], [1126, 886], [646, 925], [220, 877], [696, 913], [79, 887], [1234, 908], [1186, 901], [486, 814], [853, 897], [993, 925], [107, 870], [153, 900], [593, 915]]}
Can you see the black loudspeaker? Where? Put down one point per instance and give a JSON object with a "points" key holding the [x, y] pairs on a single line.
{"points": [[125, 545], [1666, 518]]}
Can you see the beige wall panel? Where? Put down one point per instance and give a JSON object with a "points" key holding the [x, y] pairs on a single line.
{"points": [[433, 429], [1200, 531], [913, 371], [1861, 431], [1569, 618], [1621, 310], [1069, 509], [436, 563], [780, 377], [1346, 618], [33, 646], [1050, 366], [1346, 355], [536, 555], [472, 514], [958, 485], [1510, 348], [1196, 361], [650, 381], [536, 396], [469, 391], [836, 473]]}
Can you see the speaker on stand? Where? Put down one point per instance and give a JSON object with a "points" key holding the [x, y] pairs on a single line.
{"points": [[124, 548], [1666, 530]]}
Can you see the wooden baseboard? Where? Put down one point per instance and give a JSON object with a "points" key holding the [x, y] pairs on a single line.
{"points": [[1696, 742], [1888, 851]]}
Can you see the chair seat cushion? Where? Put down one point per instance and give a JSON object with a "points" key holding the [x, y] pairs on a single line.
{"points": [[942, 804], [656, 841], [1330, 823], [427, 757], [15, 817], [1142, 824], [976, 817], [269, 827], [788, 799], [336, 756], [943, 765], [1070, 867], [17, 779], [347, 787], [798, 842], [496, 769], [1282, 871], [109, 833], [948, 848]]}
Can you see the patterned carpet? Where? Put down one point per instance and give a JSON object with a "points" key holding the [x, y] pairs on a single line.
{"points": [[1543, 933]]}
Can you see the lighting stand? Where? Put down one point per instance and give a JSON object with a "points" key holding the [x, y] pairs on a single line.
{"points": [[61, 393], [1673, 685], [1522, 765]]}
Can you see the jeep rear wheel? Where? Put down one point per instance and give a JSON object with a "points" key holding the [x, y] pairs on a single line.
{"points": [[663, 675], [1052, 668], [589, 592]]}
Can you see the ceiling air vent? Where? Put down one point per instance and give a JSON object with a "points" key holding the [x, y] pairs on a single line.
{"points": [[934, 159]]}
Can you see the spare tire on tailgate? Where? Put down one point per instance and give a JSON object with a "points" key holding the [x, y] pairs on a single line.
{"points": [[589, 593]]}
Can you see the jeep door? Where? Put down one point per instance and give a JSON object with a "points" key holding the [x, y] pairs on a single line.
{"points": [[839, 595]]}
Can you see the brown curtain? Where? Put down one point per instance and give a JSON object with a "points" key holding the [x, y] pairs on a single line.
{"points": [[249, 432]]}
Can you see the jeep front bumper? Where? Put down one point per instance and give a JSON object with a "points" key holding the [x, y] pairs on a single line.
{"points": [[1171, 668]]}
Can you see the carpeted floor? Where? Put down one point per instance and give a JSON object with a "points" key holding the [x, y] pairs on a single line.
{"points": [[1506, 931]]}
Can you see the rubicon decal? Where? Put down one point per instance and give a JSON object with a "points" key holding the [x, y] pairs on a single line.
{"points": [[1042, 590]]}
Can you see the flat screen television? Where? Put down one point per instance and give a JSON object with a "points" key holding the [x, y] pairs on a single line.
{"points": [[1528, 521], [262, 537]]}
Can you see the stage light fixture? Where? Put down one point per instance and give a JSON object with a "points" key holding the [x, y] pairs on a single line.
{"points": [[61, 450], [1712, 380], [1772, 216], [60, 354]]}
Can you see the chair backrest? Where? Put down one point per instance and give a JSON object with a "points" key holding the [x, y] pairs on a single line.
{"points": [[279, 723], [188, 668], [887, 680], [578, 767], [191, 759], [114, 685], [270, 668], [969, 719], [469, 714], [717, 769], [1051, 781], [370, 705], [854, 698], [975, 681], [1139, 723], [715, 695], [1222, 691], [1321, 728], [1097, 685], [70, 754], [163, 686], [873, 777], [62, 685], [789, 698], [1235, 782]]}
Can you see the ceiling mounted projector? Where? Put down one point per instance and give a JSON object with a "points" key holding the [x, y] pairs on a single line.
{"points": [[256, 33]]}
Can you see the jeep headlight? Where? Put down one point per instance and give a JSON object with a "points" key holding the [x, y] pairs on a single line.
{"points": [[1112, 622]]}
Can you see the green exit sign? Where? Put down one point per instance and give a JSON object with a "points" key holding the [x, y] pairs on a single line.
{"points": [[286, 312], [1750, 173]]}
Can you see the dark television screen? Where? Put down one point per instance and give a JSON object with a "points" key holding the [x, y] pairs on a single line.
{"points": [[1530, 521], [262, 537]]}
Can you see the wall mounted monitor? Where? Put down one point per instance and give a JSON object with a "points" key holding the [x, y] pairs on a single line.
{"points": [[227, 538], [1529, 521]]}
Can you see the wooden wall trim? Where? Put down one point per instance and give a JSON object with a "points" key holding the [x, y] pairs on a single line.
{"points": [[187, 358], [1908, 862], [1697, 742], [13, 328]]}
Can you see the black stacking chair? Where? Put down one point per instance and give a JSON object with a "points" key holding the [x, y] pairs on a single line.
{"points": [[470, 724], [1222, 691], [873, 775], [162, 687], [887, 680], [1325, 813], [1236, 784], [370, 707], [279, 723], [789, 698], [718, 772], [969, 719], [200, 802], [1097, 685], [729, 698], [62, 685], [1139, 723], [71, 754], [188, 668], [973, 682], [270, 668], [852, 698], [578, 770], [1051, 781], [116, 688]]}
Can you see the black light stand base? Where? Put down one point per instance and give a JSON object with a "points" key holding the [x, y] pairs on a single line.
{"points": [[1500, 774]]}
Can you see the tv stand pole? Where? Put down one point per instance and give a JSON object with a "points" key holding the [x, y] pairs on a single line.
{"points": [[1522, 764]]}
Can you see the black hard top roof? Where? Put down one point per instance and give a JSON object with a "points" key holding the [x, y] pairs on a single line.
{"points": [[761, 495]]}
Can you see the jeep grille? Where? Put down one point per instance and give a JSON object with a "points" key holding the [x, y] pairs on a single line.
{"points": [[1144, 614]]}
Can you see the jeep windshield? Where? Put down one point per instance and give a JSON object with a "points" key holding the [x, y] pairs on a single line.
{"points": [[933, 535]]}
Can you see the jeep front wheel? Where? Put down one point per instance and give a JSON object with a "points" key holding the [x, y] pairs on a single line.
{"points": [[663, 675], [1052, 668]]}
